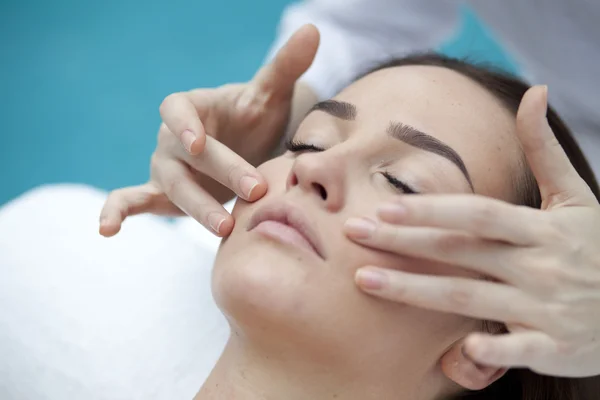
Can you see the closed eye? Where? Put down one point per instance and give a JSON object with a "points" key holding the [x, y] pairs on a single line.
{"points": [[296, 146], [398, 184]]}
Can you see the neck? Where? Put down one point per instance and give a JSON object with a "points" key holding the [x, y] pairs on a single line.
{"points": [[246, 373]]}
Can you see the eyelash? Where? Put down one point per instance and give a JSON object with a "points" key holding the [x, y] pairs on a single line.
{"points": [[296, 146]]}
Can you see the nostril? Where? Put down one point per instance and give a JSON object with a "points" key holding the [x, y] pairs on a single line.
{"points": [[321, 190], [293, 180]]}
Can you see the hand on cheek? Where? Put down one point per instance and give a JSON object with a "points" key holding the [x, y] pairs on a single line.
{"points": [[542, 260]]}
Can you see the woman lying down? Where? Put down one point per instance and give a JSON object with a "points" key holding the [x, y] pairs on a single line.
{"points": [[300, 329]]}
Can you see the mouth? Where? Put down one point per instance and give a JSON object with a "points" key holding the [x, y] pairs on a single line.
{"points": [[286, 223]]}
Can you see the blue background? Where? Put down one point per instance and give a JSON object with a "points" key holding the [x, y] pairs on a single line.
{"points": [[81, 81]]}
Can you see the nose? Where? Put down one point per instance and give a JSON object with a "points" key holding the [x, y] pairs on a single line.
{"points": [[322, 175]]}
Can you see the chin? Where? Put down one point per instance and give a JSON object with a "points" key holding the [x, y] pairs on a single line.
{"points": [[277, 295], [256, 278], [257, 281]]}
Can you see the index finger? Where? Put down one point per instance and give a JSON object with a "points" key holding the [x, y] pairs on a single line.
{"points": [[481, 216], [181, 117], [231, 170]]}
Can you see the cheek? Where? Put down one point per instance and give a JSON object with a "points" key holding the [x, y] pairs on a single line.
{"points": [[388, 317], [276, 172]]}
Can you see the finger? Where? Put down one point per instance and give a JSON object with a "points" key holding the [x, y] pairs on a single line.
{"points": [[490, 258], [293, 59], [228, 168], [557, 178], [527, 348], [185, 193], [480, 216], [182, 117], [464, 296], [126, 202]]}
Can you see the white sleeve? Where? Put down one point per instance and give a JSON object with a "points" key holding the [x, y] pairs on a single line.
{"points": [[357, 34]]}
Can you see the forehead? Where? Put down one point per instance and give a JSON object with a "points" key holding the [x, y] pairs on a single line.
{"points": [[449, 106]]}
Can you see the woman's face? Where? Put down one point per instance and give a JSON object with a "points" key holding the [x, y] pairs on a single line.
{"points": [[428, 128]]}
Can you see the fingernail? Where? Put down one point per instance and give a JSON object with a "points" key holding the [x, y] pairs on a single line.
{"points": [[247, 185], [469, 358], [370, 279], [215, 220], [392, 212], [187, 139], [360, 228]]}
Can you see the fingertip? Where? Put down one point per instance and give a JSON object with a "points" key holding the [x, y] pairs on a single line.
{"points": [[257, 191], [370, 278], [545, 92], [251, 186], [290, 62], [535, 99], [109, 229], [312, 30], [226, 227], [474, 345]]}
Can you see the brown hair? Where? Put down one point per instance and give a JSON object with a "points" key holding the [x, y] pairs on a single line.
{"points": [[518, 384]]}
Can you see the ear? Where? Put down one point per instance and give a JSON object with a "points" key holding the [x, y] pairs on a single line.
{"points": [[458, 367]]}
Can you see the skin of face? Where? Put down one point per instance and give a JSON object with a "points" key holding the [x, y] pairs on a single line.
{"points": [[285, 300]]}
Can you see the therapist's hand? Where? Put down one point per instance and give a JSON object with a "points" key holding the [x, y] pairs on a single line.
{"points": [[210, 142], [546, 262]]}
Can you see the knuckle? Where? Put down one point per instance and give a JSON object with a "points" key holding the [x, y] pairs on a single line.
{"points": [[483, 217], [575, 248], [550, 232], [168, 102], [250, 104], [155, 164], [448, 243], [227, 87], [115, 197], [550, 276], [459, 297], [529, 350], [557, 311], [546, 271], [164, 135], [172, 186], [234, 173]]}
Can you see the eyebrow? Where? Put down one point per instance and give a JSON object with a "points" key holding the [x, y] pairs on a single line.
{"points": [[414, 137], [405, 133], [338, 109]]}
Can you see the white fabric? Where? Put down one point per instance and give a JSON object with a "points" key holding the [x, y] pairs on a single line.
{"points": [[555, 42], [85, 317]]}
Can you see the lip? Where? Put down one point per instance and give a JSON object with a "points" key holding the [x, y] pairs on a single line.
{"points": [[291, 216]]}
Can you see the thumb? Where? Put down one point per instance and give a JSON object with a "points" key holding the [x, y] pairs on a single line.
{"points": [[558, 180], [292, 60]]}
